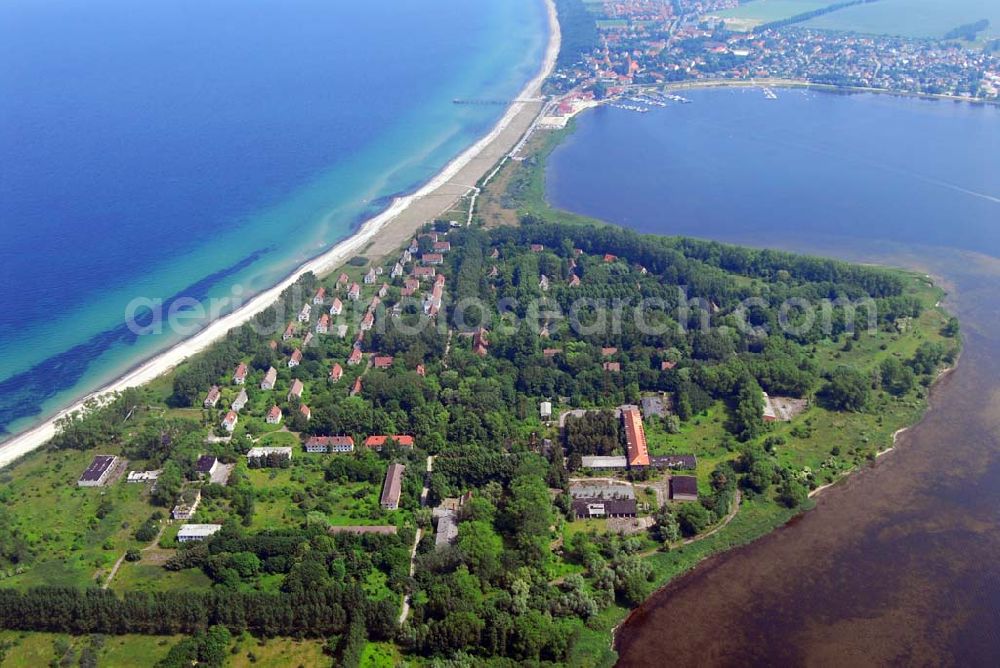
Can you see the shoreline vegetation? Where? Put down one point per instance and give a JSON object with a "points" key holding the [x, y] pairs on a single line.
{"points": [[374, 237], [830, 88], [505, 190]]}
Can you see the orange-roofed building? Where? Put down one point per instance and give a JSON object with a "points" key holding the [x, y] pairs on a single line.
{"points": [[377, 442], [635, 438]]}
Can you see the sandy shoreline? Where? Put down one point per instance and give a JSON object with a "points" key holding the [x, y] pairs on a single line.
{"points": [[375, 237]]}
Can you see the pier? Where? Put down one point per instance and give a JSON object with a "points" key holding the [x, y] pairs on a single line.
{"points": [[503, 103]]}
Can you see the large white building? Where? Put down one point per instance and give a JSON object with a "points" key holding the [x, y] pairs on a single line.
{"points": [[192, 532]]}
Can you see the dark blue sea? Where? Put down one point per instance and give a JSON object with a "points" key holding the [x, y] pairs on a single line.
{"points": [[793, 172], [162, 149]]}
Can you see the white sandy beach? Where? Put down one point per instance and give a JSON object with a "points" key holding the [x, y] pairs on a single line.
{"points": [[389, 229]]}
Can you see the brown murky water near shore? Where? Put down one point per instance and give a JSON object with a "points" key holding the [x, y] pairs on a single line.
{"points": [[898, 565]]}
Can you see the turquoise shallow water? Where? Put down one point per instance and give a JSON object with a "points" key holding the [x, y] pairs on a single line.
{"points": [[175, 149]]}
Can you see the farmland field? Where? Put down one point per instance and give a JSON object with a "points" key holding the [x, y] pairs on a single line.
{"points": [[751, 14], [911, 18]]}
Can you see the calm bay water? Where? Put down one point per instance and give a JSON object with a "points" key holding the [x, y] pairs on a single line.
{"points": [[176, 149], [898, 565]]}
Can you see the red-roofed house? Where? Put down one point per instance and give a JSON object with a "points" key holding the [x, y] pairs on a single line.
{"points": [[354, 293], [355, 357], [424, 272], [431, 259], [270, 378], [273, 415], [296, 391], [336, 307], [320, 296], [368, 321], [608, 257], [336, 372], [295, 359], [383, 361], [608, 352], [213, 397], [306, 413], [323, 326], [667, 365], [289, 332], [376, 442], [537, 248], [442, 246], [229, 422], [356, 390], [240, 375]]}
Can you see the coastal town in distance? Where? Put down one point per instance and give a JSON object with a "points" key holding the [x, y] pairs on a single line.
{"points": [[488, 437]]}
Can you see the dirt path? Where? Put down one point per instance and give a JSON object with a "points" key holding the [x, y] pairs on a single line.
{"points": [[118, 564], [405, 612]]}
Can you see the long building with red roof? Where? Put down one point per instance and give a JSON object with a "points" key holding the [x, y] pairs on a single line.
{"points": [[635, 438]]}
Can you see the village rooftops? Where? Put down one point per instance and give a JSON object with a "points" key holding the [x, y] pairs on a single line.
{"points": [[392, 488], [635, 438], [100, 469]]}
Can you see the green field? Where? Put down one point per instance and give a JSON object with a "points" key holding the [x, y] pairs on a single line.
{"points": [[751, 14], [912, 18], [42, 649]]}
